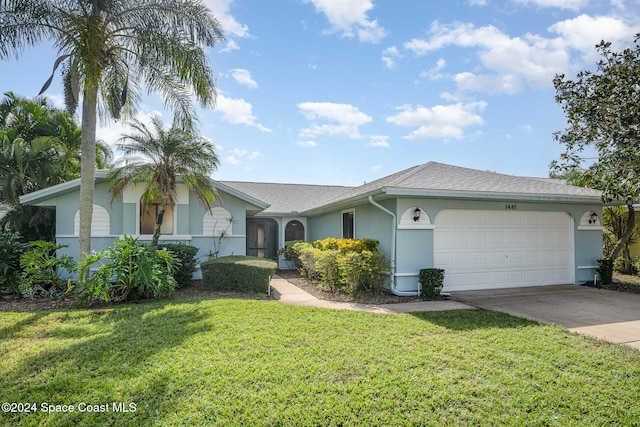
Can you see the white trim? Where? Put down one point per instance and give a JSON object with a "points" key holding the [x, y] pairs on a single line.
{"points": [[416, 227], [149, 237], [590, 227]]}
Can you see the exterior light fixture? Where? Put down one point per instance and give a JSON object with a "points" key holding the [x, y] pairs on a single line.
{"points": [[416, 214], [594, 218]]}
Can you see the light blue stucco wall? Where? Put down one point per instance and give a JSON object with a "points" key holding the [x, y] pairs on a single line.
{"points": [[415, 247], [123, 220]]}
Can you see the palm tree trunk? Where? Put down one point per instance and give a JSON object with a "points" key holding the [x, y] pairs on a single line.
{"points": [[158, 226], [87, 168]]}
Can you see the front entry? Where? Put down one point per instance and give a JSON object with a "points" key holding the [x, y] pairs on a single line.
{"points": [[262, 238]]}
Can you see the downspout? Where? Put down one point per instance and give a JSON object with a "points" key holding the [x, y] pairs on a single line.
{"points": [[394, 232]]}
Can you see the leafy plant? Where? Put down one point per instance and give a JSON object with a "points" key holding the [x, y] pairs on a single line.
{"points": [[187, 256], [11, 248], [431, 281], [41, 267], [129, 270], [605, 270], [347, 265]]}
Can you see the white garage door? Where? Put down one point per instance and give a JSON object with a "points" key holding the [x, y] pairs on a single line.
{"points": [[500, 249]]}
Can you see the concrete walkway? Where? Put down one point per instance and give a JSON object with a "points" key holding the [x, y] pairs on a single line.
{"points": [[290, 294]]}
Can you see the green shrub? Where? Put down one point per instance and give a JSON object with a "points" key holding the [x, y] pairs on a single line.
{"points": [[624, 266], [605, 270], [129, 270], [365, 271], [347, 265], [187, 256], [41, 268], [431, 281], [238, 273], [289, 253], [11, 248]]}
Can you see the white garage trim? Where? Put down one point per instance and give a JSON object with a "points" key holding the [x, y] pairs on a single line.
{"points": [[503, 249]]}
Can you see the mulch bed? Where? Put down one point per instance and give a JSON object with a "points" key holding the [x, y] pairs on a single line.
{"points": [[10, 302]]}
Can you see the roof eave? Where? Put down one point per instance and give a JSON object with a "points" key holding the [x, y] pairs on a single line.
{"points": [[480, 195]]}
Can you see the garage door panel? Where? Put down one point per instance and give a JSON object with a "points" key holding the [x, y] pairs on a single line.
{"points": [[492, 249]]}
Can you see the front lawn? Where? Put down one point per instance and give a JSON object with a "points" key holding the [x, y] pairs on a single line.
{"points": [[246, 362]]}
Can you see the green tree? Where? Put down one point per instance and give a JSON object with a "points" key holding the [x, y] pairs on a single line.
{"points": [[603, 113], [158, 157], [39, 147], [109, 47]]}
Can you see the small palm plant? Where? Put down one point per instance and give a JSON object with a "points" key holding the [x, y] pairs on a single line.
{"points": [[157, 158]]}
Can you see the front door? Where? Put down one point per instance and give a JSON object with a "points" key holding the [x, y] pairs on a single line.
{"points": [[262, 238]]}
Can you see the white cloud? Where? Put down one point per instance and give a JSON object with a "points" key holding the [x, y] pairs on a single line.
{"points": [[584, 32], [434, 73], [508, 64], [111, 131], [350, 17], [230, 26], [307, 143], [347, 117], [562, 4], [231, 46], [243, 77], [238, 112], [389, 56], [440, 121], [239, 156], [478, 2], [379, 141]]}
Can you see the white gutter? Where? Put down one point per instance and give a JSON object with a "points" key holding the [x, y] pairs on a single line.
{"points": [[394, 232]]}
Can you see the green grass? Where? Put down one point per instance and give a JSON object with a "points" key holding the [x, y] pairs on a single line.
{"points": [[252, 363]]}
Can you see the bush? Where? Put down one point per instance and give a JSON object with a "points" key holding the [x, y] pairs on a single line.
{"points": [[129, 270], [365, 271], [624, 266], [289, 253], [41, 270], [238, 273], [187, 256], [11, 248], [431, 281], [347, 265], [605, 270]]}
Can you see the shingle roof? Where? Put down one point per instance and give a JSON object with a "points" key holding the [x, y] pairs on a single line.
{"points": [[438, 177], [287, 198], [426, 179]]}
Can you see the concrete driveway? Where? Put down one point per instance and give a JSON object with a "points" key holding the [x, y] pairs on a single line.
{"points": [[607, 315]]}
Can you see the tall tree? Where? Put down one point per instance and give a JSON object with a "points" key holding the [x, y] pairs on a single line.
{"points": [[157, 157], [108, 48], [39, 147], [603, 114]]}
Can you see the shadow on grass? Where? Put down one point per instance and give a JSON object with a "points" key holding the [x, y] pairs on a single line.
{"points": [[88, 355], [467, 320]]}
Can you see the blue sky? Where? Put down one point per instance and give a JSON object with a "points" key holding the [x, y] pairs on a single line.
{"points": [[347, 91]]}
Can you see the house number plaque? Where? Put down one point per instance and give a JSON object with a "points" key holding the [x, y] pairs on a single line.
{"points": [[510, 207]]}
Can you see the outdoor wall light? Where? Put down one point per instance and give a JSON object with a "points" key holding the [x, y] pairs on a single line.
{"points": [[416, 214], [594, 218]]}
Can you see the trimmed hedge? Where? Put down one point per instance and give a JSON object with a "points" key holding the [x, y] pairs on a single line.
{"points": [[238, 273]]}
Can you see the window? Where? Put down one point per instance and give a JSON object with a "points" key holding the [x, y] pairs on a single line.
{"points": [[148, 216], [348, 225]]}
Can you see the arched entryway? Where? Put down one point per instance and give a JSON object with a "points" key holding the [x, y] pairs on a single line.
{"points": [[294, 230]]}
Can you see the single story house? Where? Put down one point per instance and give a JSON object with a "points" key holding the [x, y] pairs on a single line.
{"points": [[486, 230]]}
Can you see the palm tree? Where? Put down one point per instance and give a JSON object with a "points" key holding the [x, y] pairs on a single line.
{"points": [[39, 147], [158, 158], [107, 48]]}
